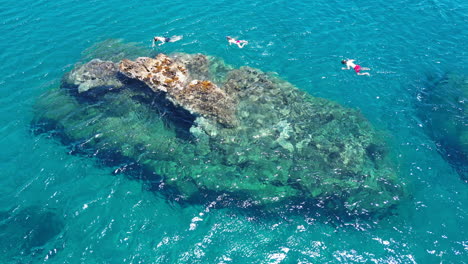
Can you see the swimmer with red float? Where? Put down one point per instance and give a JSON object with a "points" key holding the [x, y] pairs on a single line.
{"points": [[357, 68], [239, 43]]}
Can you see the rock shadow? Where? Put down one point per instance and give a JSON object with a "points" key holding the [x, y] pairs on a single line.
{"points": [[441, 106], [27, 231]]}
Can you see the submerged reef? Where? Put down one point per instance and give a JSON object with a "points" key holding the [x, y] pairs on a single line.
{"points": [[26, 231], [204, 127], [441, 107]]}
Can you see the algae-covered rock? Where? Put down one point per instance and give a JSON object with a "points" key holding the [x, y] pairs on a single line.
{"points": [[246, 133], [441, 107]]}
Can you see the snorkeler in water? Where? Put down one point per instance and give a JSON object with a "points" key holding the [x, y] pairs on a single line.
{"points": [[163, 40], [357, 68], [239, 43]]}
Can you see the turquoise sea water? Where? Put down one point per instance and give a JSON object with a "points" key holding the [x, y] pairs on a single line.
{"points": [[62, 208]]}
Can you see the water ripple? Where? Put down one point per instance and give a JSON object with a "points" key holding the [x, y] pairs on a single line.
{"points": [[109, 217]]}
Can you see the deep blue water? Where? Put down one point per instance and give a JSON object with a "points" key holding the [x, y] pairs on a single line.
{"points": [[62, 208]]}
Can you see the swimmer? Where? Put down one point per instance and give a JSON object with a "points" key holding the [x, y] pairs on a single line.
{"points": [[164, 40], [239, 43], [357, 68]]}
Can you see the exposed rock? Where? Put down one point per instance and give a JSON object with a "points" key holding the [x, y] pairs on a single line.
{"points": [[95, 74], [160, 73], [198, 97], [197, 65], [254, 136]]}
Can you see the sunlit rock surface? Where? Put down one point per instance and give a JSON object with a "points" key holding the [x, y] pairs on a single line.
{"points": [[198, 96], [204, 128], [96, 74]]}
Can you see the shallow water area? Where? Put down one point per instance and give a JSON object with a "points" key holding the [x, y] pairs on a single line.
{"points": [[106, 216]]}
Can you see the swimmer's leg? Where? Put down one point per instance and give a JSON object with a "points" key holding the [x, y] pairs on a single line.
{"points": [[175, 38]]}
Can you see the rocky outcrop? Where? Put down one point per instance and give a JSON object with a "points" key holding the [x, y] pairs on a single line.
{"points": [[201, 97], [94, 75], [252, 135]]}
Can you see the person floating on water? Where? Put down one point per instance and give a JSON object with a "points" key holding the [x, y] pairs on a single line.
{"points": [[239, 43], [164, 40], [357, 68]]}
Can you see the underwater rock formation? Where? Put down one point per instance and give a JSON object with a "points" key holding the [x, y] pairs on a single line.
{"points": [[26, 231], [441, 107], [207, 128]]}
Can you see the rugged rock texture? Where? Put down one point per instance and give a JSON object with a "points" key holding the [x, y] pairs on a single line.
{"points": [[197, 96], [94, 74], [207, 128]]}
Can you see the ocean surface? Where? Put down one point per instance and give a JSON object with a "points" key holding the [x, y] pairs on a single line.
{"points": [[56, 207]]}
